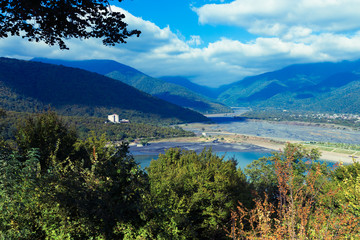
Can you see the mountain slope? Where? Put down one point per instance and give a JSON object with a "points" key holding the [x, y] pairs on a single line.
{"points": [[167, 91], [27, 85], [319, 86], [202, 90], [295, 79]]}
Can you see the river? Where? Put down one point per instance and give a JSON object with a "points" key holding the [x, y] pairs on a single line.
{"points": [[242, 158], [246, 153], [279, 130]]}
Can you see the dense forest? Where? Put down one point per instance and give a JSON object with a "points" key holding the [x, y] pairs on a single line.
{"points": [[86, 126], [27, 86], [54, 185], [169, 92], [319, 87]]}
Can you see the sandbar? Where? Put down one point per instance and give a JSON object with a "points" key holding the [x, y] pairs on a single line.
{"points": [[232, 143]]}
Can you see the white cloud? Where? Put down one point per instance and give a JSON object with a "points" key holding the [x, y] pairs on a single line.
{"points": [[195, 40], [160, 52], [276, 17]]}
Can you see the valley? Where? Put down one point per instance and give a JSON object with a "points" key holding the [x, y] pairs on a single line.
{"points": [[252, 122], [255, 137]]}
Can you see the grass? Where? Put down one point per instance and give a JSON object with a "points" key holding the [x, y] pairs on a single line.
{"points": [[335, 148]]}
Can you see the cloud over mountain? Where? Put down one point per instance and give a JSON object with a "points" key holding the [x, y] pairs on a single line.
{"points": [[285, 32], [276, 17]]}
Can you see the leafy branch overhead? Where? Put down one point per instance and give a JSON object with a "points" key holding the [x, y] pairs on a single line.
{"points": [[53, 21]]}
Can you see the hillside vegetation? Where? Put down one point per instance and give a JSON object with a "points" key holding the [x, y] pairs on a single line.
{"points": [[326, 87], [27, 86], [57, 186], [170, 92], [88, 126], [320, 87]]}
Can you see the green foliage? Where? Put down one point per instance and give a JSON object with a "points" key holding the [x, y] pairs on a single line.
{"points": [[348, 179], [323, 87], [194, 193], [117, 132], [93, 190], [261, 173], [169, 92], [174, 93], [27, 86], [346, 146], [86, 125], [53, 21], [92, 195], [48, 133], [305, 209], [20, 194], [106, 195]]}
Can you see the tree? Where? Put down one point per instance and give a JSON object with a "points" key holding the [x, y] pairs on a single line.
{"points": [[303, 210], [193, 193], [52, 21], [104, 199], [261, 173], [348, 178], [49, 134], [72, 199]]}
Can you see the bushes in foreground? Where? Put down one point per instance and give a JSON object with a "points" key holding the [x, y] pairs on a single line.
{"points": [[319, 206], [95, 191]]}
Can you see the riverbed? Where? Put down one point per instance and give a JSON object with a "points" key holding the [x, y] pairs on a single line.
{"points": [[276, 130], [250, 139], [244, 153]]}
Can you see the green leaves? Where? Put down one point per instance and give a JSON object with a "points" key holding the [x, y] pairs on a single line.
{"points": [[261, 173], [348, 180], [20, 195], [53, 21], [49, 134], [195, 192], [65, 191]]}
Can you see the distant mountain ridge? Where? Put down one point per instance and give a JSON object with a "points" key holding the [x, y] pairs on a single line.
{"points": [[203, 90], [323, 87], [27, 85], [315, 86], [102, 67], [171, 92]]}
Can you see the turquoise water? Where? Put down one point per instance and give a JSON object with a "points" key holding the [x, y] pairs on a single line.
{"points": [[243, 158]]}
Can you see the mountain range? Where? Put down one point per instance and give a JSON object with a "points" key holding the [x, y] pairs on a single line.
{"points": [[328, 87], [166, 90], [323, 87], [28, 86]]}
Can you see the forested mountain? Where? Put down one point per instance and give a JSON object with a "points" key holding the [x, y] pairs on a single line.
{"points": [[327, 87], [320, 86], [31, 86], [203, 90], [102, 67], [170, 92]]}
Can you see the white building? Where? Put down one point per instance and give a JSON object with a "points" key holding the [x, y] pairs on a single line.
{"points": [[113, 118], [124, 121]]}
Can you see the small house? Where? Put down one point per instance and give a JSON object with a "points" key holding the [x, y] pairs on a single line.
{"points": [[124, 121], [113, 118]]}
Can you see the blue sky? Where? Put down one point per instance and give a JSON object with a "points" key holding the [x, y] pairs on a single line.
{"points": [[182, 19], [215, 42]]}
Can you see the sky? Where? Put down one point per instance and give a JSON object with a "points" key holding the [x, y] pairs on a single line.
{"points": [[217, 42]]}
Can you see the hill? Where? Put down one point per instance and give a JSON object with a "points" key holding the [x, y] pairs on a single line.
{"points": [[170, 92], [319, 86], [199, 89], [30, 86]]}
